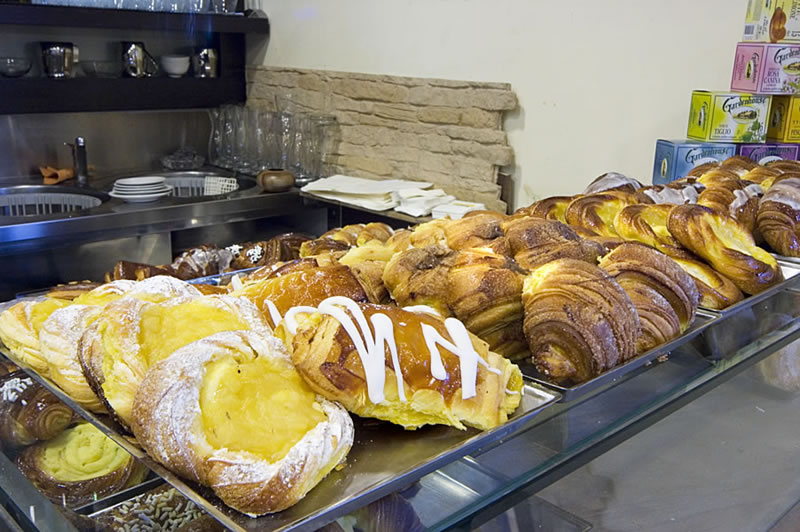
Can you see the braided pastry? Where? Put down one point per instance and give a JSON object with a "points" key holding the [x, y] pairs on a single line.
{"points": [[579, 321], [673, 193], [760, 173], [484, 292], [784, 166], [736, 199], [699, 170], [536, 241], [725, 244], [738, 164], [664, 295], [718, 177], [648, 224], [779, 217], [553, 208], [596, 212], [716, 291], [613, 181]]}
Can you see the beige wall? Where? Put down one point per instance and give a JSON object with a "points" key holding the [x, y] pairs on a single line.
{"points": [[597, 81]]}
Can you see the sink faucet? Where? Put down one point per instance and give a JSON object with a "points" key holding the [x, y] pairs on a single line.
{"points": [[79, 164]]}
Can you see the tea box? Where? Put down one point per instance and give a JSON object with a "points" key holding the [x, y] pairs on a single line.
{"points": [[728, 117], [772, 21], [675, 158], [766, 68], [766, 153], [784, 119]]}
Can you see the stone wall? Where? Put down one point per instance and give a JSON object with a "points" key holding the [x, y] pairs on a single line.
{"points": [[445, 132]]}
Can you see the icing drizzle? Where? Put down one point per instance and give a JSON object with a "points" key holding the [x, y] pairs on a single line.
{"points": [[371, 348]]}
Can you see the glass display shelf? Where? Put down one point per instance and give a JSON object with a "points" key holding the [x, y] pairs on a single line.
{"points": [[499, 482]]}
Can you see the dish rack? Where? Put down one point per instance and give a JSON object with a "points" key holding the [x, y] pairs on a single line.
{"points": [[35, 204], [190, 187]]}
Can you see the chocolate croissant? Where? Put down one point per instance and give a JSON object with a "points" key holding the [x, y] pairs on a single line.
{"points": [[231, 412], [664, 295], [485, 293], [727, 245], [79, 466], [29, 412], [596, 212], [536, 241], [410, 368], [579, 322], [779, 217]]}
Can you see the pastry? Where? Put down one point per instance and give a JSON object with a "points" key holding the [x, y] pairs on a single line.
{"points": [[201, 261], [72, 289], [739, 164], [596, 212], [648, 224], [779, 217], [665, 296], [231, 412], [347, 234], [783, 165], [553, 208], [374, 231], [701, 169], [429, 233], [79, 466], [716, 291], [418, 276], [613, 181], [160, 509], [536, 241], [484, 292], [19, 330], [134, 271], [759, 174], [369, 274], [298, 284], [117, 349], [718, 177], [374, 250], [28, 412], [323, 245], [475, 229], [726, 244], [736, 199], [58, 342], [674, 193], [433, 372], [579, 322]]}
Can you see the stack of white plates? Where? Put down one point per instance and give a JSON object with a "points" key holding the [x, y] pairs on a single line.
{"points": [[140, 189]]}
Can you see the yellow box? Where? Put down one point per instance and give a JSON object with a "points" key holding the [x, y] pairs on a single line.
{"points": [[784, 119], [728, 117]]}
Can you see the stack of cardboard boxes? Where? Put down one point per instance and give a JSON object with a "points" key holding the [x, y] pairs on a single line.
{"points": [[760, 117]]}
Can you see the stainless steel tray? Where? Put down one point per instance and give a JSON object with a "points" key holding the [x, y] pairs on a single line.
{"points": [[702, 321], [384, 458], [789, 270]]}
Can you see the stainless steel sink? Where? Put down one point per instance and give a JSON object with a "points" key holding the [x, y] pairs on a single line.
{"points": [[43, 200], [194, 183]]}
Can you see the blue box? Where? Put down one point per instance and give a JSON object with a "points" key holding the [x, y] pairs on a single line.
{"points": [[675, 158]]}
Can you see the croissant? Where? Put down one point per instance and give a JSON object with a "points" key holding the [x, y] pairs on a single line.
{"points": [[29, 412], [718, 177], [596, 212], [399, 241], [131, 335], [664, 295], [726, 244], [418, 276], [535, 241], [716, 291], [701, 169], [231, 412], [579, 321], [374, 250], [484, 292], [475, 229], [429, 234], [783, 165], [446, 375], [297, 284], [19, 330], [738, 164], [613, 181], [369, 275], [374, 231], [347, 234], [648, 224], [553, 208], [79, 466], [323, 245], [59, 340], [779, 217]]}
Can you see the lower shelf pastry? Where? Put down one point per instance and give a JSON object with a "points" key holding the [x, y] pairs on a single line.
{"points": [[231, 412], [579, 321], [29, 412], [80, 465], [132, 335], [432, 372], [727, 245]]}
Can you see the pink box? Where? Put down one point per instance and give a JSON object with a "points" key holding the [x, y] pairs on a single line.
{"points": [[766, 68]]}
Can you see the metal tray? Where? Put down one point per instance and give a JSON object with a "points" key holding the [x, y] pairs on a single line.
{"points": [[384, 458], [789, 270], [702, 321]]}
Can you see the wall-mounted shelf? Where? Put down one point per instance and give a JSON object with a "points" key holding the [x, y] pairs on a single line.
{"points": [[226, 33], [80, 17]]}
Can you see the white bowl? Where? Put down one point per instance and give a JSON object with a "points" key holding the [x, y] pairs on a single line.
{"points": [[175, 65]]}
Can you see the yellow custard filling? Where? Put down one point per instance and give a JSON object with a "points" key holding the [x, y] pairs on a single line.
{"points": [[81, 453], [165, 328], [42, 310], [260, 406]]}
